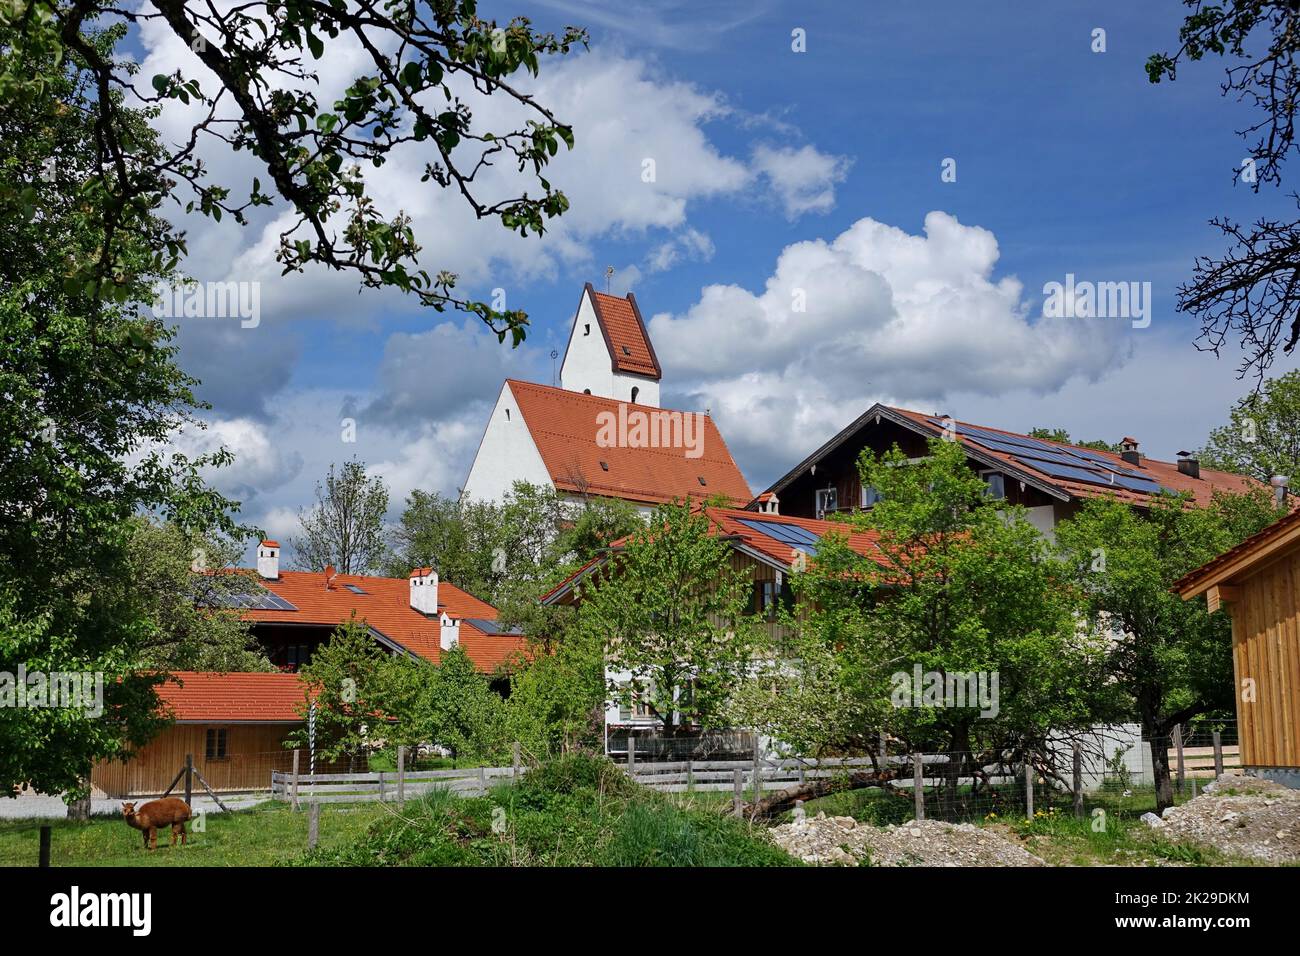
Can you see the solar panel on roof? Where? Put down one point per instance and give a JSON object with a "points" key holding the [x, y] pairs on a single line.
{"points": [[354, 589], [491, 627], [266, 601], [790, 534]]}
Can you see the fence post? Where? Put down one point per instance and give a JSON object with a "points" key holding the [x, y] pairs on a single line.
{"points": [[45, 846], [1178, 746], [313, 824], [1029, 789], [1218, 755], [758, 772], [631, 754], [293, 798], [738, 793], [482, 780], [381, 786], [401, 773], [690, 774], [1078, 781], [514, 760], [918, 786], [189, 777]]}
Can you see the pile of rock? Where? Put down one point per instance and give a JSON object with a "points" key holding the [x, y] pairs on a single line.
{"points": [[843, 841], [1239, 816]]}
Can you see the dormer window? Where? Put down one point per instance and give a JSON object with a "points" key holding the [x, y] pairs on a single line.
{"points": [[636, 390], [626, 350]]}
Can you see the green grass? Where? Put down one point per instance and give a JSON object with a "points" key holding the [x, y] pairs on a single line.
{"points": [[575, 811], [266, 835]]}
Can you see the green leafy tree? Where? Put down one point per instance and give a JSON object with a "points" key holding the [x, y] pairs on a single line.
{"points": [[348, 680], [183, 583], [425, 70], [345, 528], [1170, 659], [92, 396], [672, 614], [1262, 437], [959, 585], [449, 704], [557, 701]]}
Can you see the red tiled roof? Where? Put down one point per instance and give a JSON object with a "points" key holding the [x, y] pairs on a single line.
{"points": [[216, 698], [625, 334], [1163, 472], [564, 427], [386, 607], [268, 543]]}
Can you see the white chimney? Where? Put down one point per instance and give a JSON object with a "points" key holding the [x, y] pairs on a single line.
{"points": [[268, 560], [424, 591], [1280, 487], [450, 635]]}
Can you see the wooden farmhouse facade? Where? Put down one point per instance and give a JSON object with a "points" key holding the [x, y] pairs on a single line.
{"points": [[1258, 584]]}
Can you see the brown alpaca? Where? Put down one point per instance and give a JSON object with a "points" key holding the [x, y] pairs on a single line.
{"points": [[169, 811]]}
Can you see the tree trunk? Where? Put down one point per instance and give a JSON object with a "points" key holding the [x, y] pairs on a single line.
{"points": [[79, 809], [785, 799], [1160, 769]]}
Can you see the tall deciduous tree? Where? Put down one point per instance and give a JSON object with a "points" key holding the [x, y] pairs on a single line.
{"points": [[347, 680], [91, 397], [672, 614], [345, 528], [1262, 437], [959, 589], [1170, 659], [1249, 293], [422, 70]]}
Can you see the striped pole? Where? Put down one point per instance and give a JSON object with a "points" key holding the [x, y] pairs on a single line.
{"points": [[311, 739]]}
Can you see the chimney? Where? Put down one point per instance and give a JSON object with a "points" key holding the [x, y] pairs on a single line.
{"points": [[1189, 466], [330, 575], [1279, 483], [769, 504], [424, 591], [1128, 450], [450, 635], [268, 560]]}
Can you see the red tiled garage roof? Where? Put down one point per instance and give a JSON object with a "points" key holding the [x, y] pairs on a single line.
{"points": [[205, 697], [564, 426]]}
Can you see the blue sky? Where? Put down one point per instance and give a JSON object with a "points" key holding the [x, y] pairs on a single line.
{"points": [[817, 168]]}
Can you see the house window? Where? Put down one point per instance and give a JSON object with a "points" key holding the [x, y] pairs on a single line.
{"points": [[296, 656], [635, 392], [996, 482], [215, 746], [826, 501], [870, 496], [638, 707], [769, 599]]}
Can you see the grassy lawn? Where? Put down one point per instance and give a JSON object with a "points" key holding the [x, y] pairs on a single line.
{"points": [[266, 835]]}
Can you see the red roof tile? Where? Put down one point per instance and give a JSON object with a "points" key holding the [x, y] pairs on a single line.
{"points": [[564, 426], [220, 698], [385, 605], [1164, 473], [625, 334]]}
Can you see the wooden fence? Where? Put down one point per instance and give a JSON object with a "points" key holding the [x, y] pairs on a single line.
{"points": [[383, 785]]}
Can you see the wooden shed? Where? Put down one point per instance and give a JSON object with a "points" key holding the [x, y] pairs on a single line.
{"points": [[234, 726], [1258, 584]]}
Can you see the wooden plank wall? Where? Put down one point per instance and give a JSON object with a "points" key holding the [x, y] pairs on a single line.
{"points": [[1266, 647], [253, 751]]}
